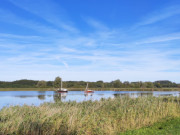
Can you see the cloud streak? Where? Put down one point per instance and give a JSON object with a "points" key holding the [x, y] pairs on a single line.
{"points": [[48, 12], [56, 47], [160, 15]]}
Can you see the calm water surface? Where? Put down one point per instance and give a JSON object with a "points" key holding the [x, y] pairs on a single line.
{"points": [[9, 98]]}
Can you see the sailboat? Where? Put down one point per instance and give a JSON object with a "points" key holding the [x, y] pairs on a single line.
{"points": [[87, 90], [62, 89]]}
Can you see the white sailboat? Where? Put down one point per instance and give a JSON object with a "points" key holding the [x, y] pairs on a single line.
{"points": [[62, 89], [87, 90]]}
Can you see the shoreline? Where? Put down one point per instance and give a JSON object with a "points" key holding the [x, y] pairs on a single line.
{"points": [[96, 89]]}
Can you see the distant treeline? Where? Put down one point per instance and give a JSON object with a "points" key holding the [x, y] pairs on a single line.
{"points": [[81, 84]]}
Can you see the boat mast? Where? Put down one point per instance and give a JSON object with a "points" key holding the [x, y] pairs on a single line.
{"points": [[87, 87], [61, 84]]}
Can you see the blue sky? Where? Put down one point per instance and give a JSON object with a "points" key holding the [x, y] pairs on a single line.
{"points": [[90, 40]]}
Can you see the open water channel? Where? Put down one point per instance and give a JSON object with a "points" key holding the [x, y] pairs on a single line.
{"points": [[11, 98]]}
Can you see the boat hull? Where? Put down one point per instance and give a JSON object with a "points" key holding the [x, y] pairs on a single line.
{"points": [[61, 91], [89, 91]]}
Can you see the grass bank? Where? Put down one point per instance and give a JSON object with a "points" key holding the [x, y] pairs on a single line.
{"points": [[168, 127], [106, 117], [97, 89]]}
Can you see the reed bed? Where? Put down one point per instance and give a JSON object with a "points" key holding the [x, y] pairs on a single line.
{"points": [[110, 116]]}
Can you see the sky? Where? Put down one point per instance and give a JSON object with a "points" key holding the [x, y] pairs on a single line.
{"points": [[90, 40]]}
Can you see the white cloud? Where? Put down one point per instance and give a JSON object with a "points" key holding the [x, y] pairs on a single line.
{"points": [[162, 38], [10, 17], [49, 11], [160, 15], [96, 24], [104, 54]]}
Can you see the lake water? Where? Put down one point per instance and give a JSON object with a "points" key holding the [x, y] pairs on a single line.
{"points": [[9, 98]]}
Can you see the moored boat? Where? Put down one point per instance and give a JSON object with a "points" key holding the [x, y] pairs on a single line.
{"points": [[62, 90], [87, 90]]}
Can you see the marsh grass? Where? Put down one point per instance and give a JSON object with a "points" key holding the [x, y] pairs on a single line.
{"points": [[110, 116]]}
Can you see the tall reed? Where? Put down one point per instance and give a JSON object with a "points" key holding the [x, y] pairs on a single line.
{"points": [[109, 116]]}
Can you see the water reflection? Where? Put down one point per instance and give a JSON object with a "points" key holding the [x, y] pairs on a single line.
{"points": [[39, 97], [23, 96], [59, 97], [88, 94], [117, 95], [133, 95]]}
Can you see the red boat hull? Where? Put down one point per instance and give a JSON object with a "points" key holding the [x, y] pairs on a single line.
{"points": [[89, 91]]}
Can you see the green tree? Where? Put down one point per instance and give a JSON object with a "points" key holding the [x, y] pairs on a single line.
{"points": [[100, 84], [157, 85], [126, 84], [50, 84], [41, 84], [117, 83], [143, 84], [136, 84], [149, 85], [57, 82]]}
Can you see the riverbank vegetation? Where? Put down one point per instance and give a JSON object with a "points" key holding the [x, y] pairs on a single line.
{"points": [[110, 116], [82, 84]]}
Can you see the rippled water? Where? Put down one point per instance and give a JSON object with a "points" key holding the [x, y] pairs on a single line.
{"points": [[8, 98]]}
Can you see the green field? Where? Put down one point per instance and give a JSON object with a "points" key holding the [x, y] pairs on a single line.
{"points": [[168, 127], [104, 117]]}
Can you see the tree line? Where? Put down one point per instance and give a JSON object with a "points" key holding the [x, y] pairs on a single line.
{"points": [[24, 83]]}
